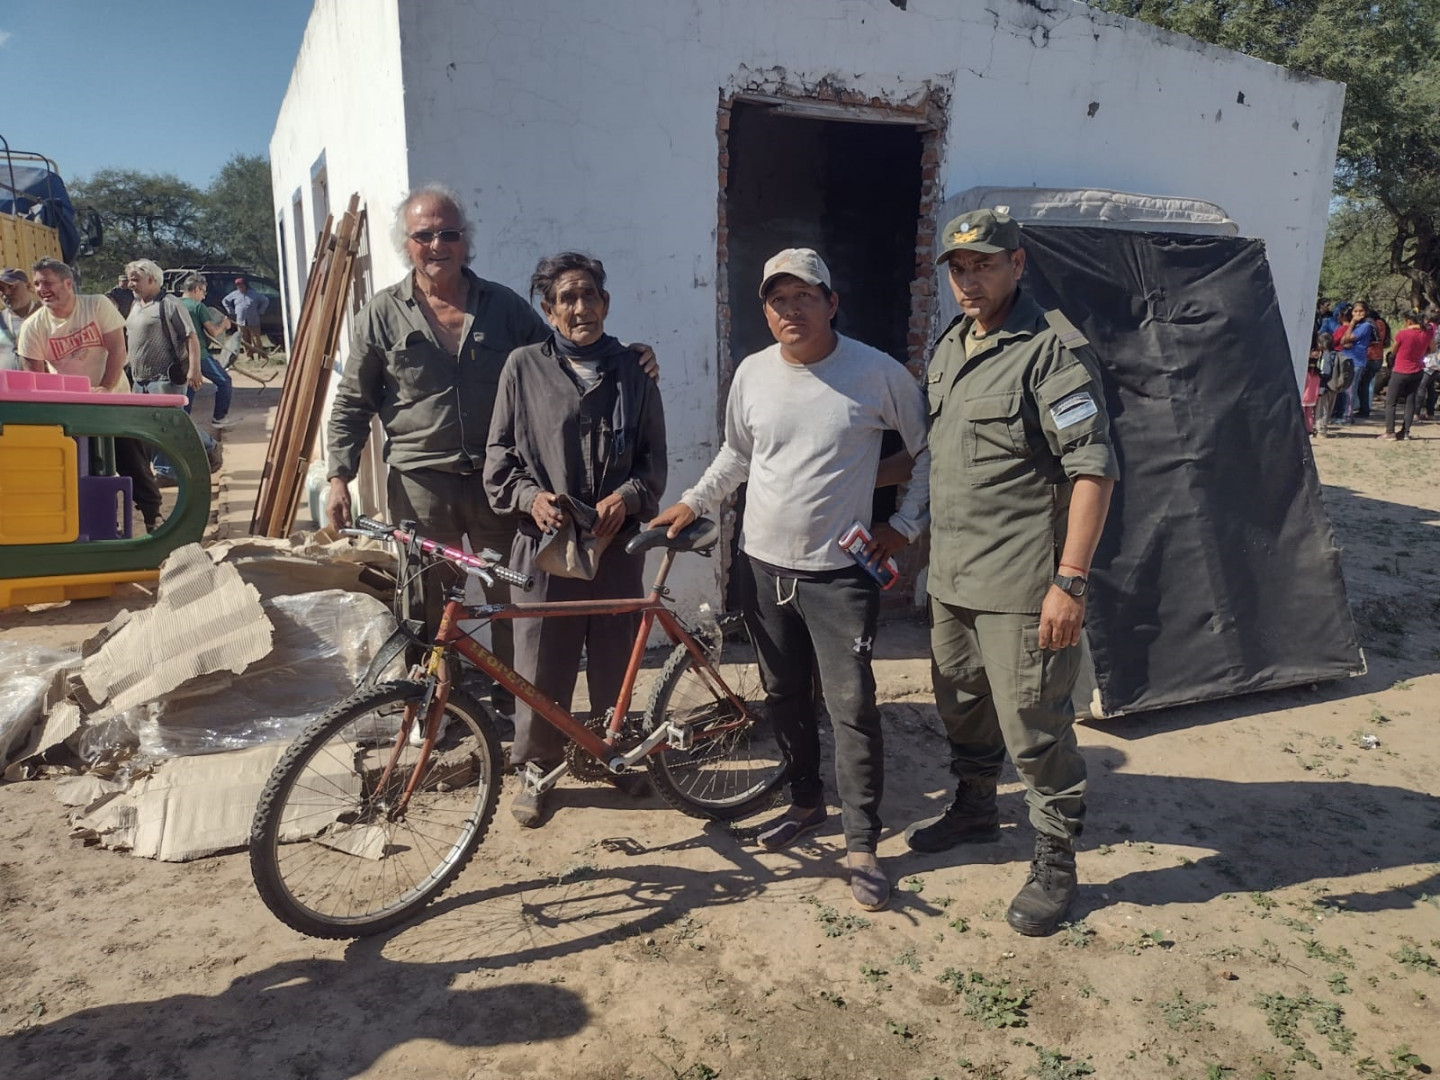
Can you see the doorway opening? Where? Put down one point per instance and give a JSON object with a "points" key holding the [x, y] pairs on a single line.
{"points": [[858, 186]]}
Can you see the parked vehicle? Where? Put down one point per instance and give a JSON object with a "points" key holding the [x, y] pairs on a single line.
{"points": [[220, 283]]}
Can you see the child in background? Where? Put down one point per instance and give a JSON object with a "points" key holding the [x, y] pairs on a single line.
{"points": [[1328, 370], [1311, 393]]}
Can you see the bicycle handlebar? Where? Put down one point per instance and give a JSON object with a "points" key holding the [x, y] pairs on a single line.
{"points": [[484, 568]]}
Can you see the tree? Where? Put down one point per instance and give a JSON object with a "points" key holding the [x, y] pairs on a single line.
{"points": [[1357, 259], [239, 214], [146, 216], [159, 216], [1387, 52]]}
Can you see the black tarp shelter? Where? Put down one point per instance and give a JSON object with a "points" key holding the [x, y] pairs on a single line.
{"points": [[1218, 572]]}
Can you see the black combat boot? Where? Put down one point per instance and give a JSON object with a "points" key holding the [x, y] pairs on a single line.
{"points": [[1042, 902], [972, 818]]}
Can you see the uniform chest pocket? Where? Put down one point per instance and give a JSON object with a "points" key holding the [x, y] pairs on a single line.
{"points": [[993, 435], [420, 368], [935, 392]]}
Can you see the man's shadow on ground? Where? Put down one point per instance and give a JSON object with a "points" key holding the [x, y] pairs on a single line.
{"points": [[1262, 835], [325, 1019]]}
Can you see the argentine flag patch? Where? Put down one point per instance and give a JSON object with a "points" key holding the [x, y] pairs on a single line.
{"points": [[1073, 408]]}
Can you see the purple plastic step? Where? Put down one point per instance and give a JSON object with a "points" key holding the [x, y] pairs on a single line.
{"points": [[105, 509]]}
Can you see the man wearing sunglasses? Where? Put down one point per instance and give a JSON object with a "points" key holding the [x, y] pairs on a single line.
{"points": [[426, 357]]}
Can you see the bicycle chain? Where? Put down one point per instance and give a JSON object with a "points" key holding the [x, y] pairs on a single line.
{"points": [[582, 765]]}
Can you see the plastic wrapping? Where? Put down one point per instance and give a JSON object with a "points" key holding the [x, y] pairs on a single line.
{"points": [[27, 673], [322, 644]]}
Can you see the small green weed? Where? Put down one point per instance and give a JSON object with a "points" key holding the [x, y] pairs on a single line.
{"points": [[1264, 901], [907, 959], [960, 924], [1402, 1064], [832, 998], [874, 974], [1411, 956], [1339, 956], [1337, 984], [1056, 1065], [832, 922], [994, 1004], [914, 884], [895, 1027], [1283, 1015], [1077, 935], [1182, 1014]]}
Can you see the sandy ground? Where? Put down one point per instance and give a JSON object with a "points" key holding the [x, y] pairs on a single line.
{"points": [[1260, 897]]}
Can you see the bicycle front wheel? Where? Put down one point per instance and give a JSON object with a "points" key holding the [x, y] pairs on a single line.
{"points": [[332, 852], [733, 764]]}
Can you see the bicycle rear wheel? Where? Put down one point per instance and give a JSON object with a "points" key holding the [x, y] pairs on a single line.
{"points": [[733, 765], [331, 854]]}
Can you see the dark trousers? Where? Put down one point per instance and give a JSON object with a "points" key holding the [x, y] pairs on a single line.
{"points": [[1425, 396], [1402, 387], [1363, 378], [997, 691], [445, 507], [547, 651], [132, 459], [827, 625]]}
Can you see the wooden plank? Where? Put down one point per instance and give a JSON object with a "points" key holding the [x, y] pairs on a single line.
{"points": [[297, 418]]}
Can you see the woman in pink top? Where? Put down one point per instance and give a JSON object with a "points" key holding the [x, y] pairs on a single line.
{"points": [[1411, 344]]}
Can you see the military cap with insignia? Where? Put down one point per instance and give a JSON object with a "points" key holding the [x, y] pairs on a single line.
{"points": [[986, 231]]}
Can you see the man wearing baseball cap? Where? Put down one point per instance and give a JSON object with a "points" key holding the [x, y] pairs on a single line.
{"points": [[245, 307], [19, 302], [803, 426], [1020, 486]]}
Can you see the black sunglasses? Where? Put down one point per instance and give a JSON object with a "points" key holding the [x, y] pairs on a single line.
{"points": [[445, 236]]}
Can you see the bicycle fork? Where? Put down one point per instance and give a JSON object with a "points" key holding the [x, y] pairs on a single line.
{"points": [[428, 711]]}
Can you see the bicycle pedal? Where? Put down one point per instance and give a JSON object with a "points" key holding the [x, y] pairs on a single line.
{"points": [[679, 738]]}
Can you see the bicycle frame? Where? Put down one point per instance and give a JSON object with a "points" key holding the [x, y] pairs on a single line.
{"points": [[652, 611]]}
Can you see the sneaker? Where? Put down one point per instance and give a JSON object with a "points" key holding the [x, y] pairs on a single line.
{"points": [[781, 832], [528, 807], [1044, 900], [220, 423], [1387, 437], [869, 886], [973, 818], [417, 731]]}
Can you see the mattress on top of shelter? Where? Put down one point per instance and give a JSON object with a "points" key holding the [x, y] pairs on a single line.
{"points": [[1101, 207], [1218, 572]]}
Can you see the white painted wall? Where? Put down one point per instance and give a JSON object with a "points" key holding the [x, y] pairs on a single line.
{"points": [[566, 123], [346, 100]]}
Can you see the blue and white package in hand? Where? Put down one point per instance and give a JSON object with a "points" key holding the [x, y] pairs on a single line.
{"points": [[856, 541]]}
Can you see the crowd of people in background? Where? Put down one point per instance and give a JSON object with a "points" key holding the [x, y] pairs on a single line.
{"points": [[137, 338], [1357, 355]]}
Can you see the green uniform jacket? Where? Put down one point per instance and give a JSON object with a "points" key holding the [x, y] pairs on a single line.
{"points": [[434, 408], [1009, 428]]}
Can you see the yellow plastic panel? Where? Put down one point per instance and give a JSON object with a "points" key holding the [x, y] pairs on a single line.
{"points": [[53, 590], [39, 485]]}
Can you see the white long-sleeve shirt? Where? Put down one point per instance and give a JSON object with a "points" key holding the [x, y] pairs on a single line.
{"points": [[807, 438]]}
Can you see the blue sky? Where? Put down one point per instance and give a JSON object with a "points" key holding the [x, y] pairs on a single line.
{"points": [[162, 86]]}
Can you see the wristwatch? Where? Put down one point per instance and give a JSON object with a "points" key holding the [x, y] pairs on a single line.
{"points": [[1075, 586]]}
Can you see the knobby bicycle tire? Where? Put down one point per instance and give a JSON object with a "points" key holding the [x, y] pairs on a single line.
{"points": [[326, 857], [731, 770]]}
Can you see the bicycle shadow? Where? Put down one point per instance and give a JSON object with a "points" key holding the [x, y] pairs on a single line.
{"points": [[586, 908], [317, 1019]]}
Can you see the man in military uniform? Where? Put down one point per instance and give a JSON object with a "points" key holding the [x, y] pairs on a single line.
{"points": [[1021, 475]]}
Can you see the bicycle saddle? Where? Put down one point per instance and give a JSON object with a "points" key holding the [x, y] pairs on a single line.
{"points": [[700, 535]]}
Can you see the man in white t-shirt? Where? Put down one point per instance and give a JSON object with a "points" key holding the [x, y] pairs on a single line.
{"points": [[803, 426], [19, 304], [80, 334]]}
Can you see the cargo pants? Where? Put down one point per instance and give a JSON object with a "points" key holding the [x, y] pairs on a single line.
{"points": [[446, 506], [998, 691]]}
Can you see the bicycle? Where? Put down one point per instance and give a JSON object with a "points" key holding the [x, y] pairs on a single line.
{"points": [[358, 827]]}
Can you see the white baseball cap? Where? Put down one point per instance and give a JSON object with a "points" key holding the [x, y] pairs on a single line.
{"points": [[802, 263]]}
